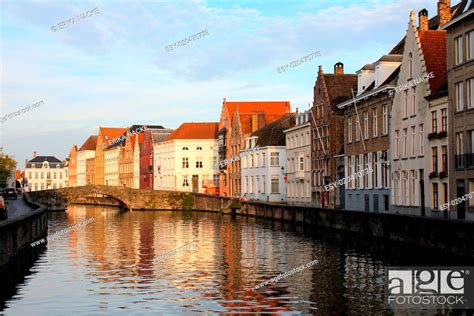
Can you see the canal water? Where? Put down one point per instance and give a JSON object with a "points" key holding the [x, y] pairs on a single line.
{"points": [[112, 266]]}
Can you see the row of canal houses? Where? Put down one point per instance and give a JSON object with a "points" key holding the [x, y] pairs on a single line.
{"points": [[407, 119]]}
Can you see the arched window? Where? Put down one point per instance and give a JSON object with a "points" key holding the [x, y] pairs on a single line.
{"points": [[410, 66]]}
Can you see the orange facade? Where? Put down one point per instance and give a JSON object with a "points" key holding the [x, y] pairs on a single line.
{"points": [[126, 162], [90, 171], [72, 169], [238, 120], [104, 139]]}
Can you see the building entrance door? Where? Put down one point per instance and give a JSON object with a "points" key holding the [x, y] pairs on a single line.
{"points": [[195, 181]]}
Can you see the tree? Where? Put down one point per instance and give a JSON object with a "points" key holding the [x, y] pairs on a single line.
{"points": [[7, 164]]}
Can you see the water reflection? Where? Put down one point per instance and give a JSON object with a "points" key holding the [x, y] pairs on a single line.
{"points": [[109, 267]]}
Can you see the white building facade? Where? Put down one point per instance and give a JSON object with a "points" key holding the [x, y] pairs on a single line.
{"points": [[298, 160], [86, 151], [111, 166], [184, 163], [263, 162], [411, 156], [45, 172]]}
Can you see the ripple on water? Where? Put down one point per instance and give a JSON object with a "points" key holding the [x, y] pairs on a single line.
{"points": [[110, 267]]}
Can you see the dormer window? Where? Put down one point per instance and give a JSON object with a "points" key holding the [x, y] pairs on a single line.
{"points": [[33, 165], [57, 165], [45, 164]]}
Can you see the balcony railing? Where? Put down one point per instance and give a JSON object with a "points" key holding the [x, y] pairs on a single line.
{"points": [[464, 161]]}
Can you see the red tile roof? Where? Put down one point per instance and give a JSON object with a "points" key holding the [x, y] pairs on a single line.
{"points": [[90, 143], [207, 130], [433, 45], [111, 133], [281, 107], [245, 120]]}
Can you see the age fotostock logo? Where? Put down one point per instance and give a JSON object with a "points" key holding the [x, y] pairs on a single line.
{"points": [[429, 287]]}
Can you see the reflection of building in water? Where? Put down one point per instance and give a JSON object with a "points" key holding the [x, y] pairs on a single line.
{"points": [[364, 278]]}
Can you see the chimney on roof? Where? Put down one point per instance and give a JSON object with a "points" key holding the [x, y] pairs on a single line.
{"points": [[444, 12], [223, 100], [297, 111], [320, 69], [35, 154], [26, 163], [261, 120], [339, 68], [423, 20]]}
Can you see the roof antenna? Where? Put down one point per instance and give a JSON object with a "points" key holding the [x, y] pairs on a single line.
{"points": [[317, 129], [358, 119]]}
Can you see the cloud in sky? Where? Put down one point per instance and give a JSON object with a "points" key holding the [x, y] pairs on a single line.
{"points": [[111, 69]]}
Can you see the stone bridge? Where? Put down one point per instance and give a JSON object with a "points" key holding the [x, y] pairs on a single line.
{"points": [[131, 199]]}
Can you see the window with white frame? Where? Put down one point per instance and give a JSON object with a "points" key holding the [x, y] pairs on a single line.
{"points": [[275, 184], [435, 196], [185, 164], [397, 144], [444, 120], [413, 138], [405, 142], [470, 44], [421, 140], [263, 184], [301, 163], [366, 125], [404, 188], [375, 124], [405, 103], [357, 131], [349, 129], [274, 159], [470, 92], [396, 186], [459, 96], [199, 162], [434, 121], [413, 101], [458, 50], [385, 120], [185, 181]]}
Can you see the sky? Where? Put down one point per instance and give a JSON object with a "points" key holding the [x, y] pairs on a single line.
{"points": [[111, 69]]}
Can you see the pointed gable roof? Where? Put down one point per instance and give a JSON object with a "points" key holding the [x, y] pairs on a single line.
{"points": [[192, 130], [272, 134], [339, 86], [281, 107], [433, 46], [107, 133], [90, 143]]}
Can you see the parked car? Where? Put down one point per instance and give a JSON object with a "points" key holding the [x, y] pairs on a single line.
{"points": [[10, 193], [3, 209]]}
